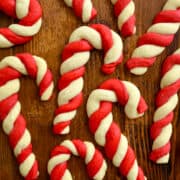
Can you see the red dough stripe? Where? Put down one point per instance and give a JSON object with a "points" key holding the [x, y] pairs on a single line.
{"points": [[154, 38], [169, 63], [96, 117], [127, 162], [78, 7], [112, 140], [156, 127], [24, 153], [81, 148], [74, 47], [18, 131], [60, 150], [61, 126], [33, 172], [94, 165], [14, 38], [46, 82], [158, 153], [29, 63], [7, 74], [67, 78], [166, 93], [58, 171], [140, 62], [73, 104], [8, 7], [128, 28], [120, 4], [6, 105], [172, 16]]}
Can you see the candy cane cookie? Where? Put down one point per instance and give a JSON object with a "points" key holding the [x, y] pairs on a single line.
{"points": [[74, 57], [13, 123], [83, 9], [124, 10], [106, 132], [166, 102], [57, 165], [158, 36], [29, 14]]}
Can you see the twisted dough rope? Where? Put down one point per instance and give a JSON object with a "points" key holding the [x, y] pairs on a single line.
{"points": [[158, 36], [29, 13], [124, 10], [13, 123], [166, 102], [83, 9], [74, 56], [95, 163], [106, 132]]}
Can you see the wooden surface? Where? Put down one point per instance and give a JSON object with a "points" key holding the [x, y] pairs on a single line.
{"points": [[58, 23]]}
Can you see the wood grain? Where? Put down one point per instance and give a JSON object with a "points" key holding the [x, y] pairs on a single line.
{"points": [[59, 21]]}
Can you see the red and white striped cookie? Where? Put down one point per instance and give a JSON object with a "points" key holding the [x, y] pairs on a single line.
{"points": [[106, 132], [29, 13], [124, 10], [158, 36], [13, 123], [74, 57], [82, 9], [57, 165], [166, 102]]}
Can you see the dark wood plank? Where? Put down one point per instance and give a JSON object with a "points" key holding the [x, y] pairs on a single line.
{"points": [[58, 23]]}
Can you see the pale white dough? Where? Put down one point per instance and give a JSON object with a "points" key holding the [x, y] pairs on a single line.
{"points": [[54, 161], [114, 52], [22, 8], [4, 42], [8, 122], [89, 34], [26, 30], [10, 88], [87, 9], [64, 116]]}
